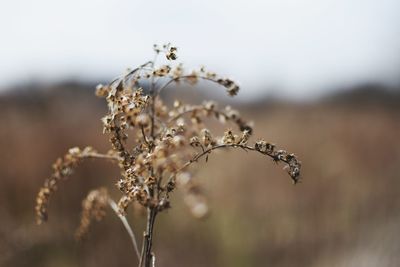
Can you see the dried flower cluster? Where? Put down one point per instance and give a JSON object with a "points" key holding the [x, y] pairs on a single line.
{"points": [[93, 207], [62, 169], [165, 142]]}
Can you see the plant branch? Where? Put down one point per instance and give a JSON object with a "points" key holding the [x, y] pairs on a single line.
{"points": [[181, 78], [131, 72], [144, 137], [125, 222], [146, 257], [275, 155], [99, 156]]}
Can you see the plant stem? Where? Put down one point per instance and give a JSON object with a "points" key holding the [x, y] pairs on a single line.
{"points": [[146, 256], [114, 207]]}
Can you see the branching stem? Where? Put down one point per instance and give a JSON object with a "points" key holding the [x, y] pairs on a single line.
{"points": [[146, 257], [181, 78]]}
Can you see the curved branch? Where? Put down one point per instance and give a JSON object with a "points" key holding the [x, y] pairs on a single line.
{"points": [[63, 168], [182, 78], [125, 222], [276, 156], [207, 151], [131, 72]]}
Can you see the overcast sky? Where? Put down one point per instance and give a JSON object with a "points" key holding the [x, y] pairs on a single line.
{"points": [[297, 46]]}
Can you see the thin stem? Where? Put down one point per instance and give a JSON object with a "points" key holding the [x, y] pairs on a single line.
{"points": [[198, 156], [140, 67], [125, 222], [153, 94], [183, 77], [153, 108], [145, 138], [146, 255], [209, 150], [131, 72], [99, 156], [242, 146]]}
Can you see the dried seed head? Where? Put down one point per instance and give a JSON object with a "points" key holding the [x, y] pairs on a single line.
{"points": [[264, 147], [195, 141], [231, 87], [166, 140], [62, 168], [102, 91], [207, 139], [229, 137], [244, 138], [171, 56], [93, 207]]}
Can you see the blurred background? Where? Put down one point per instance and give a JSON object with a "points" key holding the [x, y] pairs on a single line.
{"points": [[320, 78]]}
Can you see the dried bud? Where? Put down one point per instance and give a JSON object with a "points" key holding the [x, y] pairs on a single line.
{"points": [[195, 141], [162, 71], [102, 91], [123, 203], [228, 138], [233, 90], [244, 138], [206, 137], [231, 87], [264, 147], [171, 53]]}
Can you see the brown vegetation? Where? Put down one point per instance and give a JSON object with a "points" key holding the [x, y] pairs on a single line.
{"points": [[166, 142], [346, 213]]}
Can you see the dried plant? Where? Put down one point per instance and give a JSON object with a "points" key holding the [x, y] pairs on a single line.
{"points": [[166, 141]]}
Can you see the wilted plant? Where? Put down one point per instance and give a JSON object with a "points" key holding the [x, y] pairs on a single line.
{"points": [[166, 142]]}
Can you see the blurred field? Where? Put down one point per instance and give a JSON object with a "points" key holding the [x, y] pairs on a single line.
{"points": [[345, 213]]}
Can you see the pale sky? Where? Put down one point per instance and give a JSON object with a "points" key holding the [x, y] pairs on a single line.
{"points": [[300, 47]]}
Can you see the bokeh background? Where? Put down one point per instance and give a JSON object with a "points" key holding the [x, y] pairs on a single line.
{"points": [[320, 78]]}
